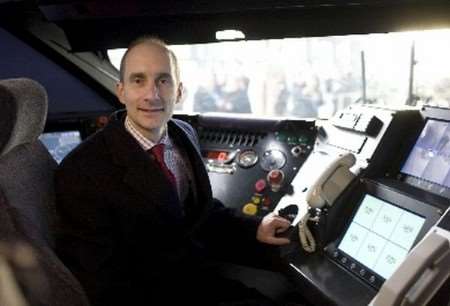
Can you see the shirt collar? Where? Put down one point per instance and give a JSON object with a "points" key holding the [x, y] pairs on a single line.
{"points": [[144, 142]]}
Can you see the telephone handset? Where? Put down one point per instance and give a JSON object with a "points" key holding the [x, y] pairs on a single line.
{"points": [[314, 188], [327, 187]]}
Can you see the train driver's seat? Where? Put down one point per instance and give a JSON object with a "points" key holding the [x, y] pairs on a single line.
{"points": [[26, 184]]}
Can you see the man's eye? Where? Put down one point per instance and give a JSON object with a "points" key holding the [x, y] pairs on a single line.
{"points": [[164, 81], [137, 80]]}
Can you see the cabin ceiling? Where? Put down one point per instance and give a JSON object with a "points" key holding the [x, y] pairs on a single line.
{"points": [[102, 24]]}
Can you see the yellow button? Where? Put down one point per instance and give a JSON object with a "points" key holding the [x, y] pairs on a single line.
{"points": [[256, 200], [250, 209]]}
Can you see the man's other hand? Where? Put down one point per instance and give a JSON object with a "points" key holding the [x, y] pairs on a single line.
{"points": [[270, 226]]}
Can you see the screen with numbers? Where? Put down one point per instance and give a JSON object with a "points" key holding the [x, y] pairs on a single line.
{"points": [[381, 235]]}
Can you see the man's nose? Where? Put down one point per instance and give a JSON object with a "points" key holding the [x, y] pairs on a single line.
{"points": [[152, 92]]}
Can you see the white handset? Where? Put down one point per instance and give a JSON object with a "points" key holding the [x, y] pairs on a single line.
{"points": [[331, 182], [324, 190]]}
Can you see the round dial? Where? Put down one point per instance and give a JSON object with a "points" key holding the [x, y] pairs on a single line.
{"points": [[273, 159], [247, 158]]}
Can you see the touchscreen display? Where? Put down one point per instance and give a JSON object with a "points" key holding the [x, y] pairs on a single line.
{"points": [[59, 144], [380, 235], [430, 157]]}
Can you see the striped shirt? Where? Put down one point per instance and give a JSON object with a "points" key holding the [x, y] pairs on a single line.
{"points": [[172, 157]]}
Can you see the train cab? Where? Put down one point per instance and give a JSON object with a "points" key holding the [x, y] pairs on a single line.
{"points": [[334, 115]]}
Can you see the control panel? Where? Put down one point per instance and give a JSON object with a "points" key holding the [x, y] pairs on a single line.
{"points": [[251, 162], [367, 232]]}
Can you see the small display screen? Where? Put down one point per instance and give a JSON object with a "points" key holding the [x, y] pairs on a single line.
{"points": [[430, 157], [59, 144], [381, 235], [217, 155]]}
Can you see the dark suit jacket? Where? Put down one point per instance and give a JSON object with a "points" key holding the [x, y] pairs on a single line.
{"points": [[118, 235]]}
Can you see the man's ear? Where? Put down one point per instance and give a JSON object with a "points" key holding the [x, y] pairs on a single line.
{"points": [[180, 92], [120, 92]]}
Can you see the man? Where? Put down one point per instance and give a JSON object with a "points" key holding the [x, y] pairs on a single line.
{"points": [[134, 230]]}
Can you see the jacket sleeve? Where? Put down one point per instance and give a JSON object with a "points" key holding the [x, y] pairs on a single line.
{"points": [[84, 240], [228, 234]]}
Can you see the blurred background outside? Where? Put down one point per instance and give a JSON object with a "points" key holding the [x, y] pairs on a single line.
{"points": [[314, 77]]}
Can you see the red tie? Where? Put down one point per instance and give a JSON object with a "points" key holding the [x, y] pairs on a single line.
{"points": [[158, 152]]}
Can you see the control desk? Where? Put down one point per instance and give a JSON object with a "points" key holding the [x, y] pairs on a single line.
{"points": [[255, 165]]}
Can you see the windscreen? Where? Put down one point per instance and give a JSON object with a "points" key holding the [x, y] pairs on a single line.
{"points": [[381, 235], [312, 77]]}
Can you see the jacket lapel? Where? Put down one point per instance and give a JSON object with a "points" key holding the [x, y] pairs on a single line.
{"points": [[202, 192], [140, 172]]}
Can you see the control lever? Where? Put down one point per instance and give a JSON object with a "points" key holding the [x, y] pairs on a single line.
{"points": [[289, 213]]}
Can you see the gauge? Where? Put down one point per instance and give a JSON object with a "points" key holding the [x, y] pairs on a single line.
{"points": [[273, 159], [247, 158]]}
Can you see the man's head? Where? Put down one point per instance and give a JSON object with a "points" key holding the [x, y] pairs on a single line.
{"points": [[149, 85]]}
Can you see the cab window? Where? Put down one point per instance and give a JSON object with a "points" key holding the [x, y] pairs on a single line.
{"points": [[314, 77]]}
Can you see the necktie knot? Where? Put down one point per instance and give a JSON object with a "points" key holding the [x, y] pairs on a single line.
{"points": [[158, 153]]}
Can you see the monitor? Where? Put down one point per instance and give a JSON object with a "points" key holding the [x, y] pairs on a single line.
{"points": [[429, 159], [59, 144], [382, 229], [380, 235]]}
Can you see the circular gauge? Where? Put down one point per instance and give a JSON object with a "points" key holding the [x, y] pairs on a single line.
{"points": [[247, 158], [273, 159]]}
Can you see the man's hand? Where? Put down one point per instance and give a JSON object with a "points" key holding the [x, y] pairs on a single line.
{"points": [[271, 225]]}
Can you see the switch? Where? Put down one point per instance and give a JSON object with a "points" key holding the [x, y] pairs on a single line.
{"points": [[256, 199], [250, 209], [299, 150], [260, 185], [275, 178]]}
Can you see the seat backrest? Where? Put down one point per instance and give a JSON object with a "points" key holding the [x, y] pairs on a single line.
{"points": [[26, 182], [26, 167]]}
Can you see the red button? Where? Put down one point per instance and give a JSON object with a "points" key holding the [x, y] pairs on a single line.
{"points": [[260, 185], [275, 177]]}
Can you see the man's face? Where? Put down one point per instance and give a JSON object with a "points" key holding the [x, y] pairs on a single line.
{"points": [[149, 89]]}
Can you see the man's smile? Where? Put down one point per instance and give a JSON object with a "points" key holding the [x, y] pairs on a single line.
{"points": [[154, 109]]}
